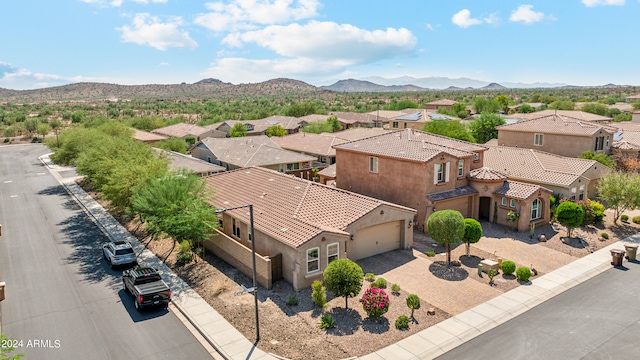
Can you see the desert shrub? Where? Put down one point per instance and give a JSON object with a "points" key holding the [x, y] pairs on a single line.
{"points": [[185, 255], [604, 235], [413, 302], [375, 302], [369, 277], [624, 218], [430, 253], [593, 212], [508, 267], [319, 294], [326, 322], [402, 322], [292, 301], [380, 283], [6, 140], [395, 289], [636, 219], [523, 273]]}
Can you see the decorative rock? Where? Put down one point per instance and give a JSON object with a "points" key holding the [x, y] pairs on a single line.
{"points": [[431, 311], [542, 238]]}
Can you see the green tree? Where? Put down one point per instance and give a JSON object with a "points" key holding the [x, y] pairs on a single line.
{"points": [[472, 233], [569, 214], [601, 158], [176, 204], [525, 109], [450, 128], [301, 109], [446, 227], [484, 128], [460, 110], [562, 105], [43, 129], [595, 108], [77, 117], [6, 348], [334, 124], [276, 130], [503, 100], [413, 302], [173, 144], [238, 130], [343, 278], [621, 191], [482, 105], [622, 117]]}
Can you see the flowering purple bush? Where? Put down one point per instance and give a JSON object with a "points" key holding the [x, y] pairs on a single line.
{"points": [[375, 302]]}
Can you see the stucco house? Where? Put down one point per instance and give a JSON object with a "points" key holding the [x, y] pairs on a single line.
{"points": [[317, 145], [557, 134], [428, 172], [439, 104], [259, 127], [300, 226], [417, 120], [571, 178], [235, 153], [627, 142], [183, 130], [179, 162], [147, 137], [350, 120]]}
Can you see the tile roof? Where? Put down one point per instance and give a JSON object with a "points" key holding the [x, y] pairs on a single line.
{"points": [[537, 166], [352, 118], [314, 117], [251, 151], [319, 144], [180, 130], [486, 173], [569, 114], [412, 144], [261, 125], [452, 194], [630, 140], [329, 171], [179, 161], [551, 123], [360, 133], [147, 136], [518, 190], [288, 208], [444, 102]]}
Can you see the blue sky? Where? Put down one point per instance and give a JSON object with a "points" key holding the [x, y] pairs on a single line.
{"points": [[132, 42]]}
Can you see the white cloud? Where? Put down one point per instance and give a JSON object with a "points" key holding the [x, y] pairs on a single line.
{"points": [[430, 27], [525, 14], [118, 3], [21, 79], [237, 15], [149, 30], [463, 19], [148, 1], [492, 19], [329, 41], [592, 3]]}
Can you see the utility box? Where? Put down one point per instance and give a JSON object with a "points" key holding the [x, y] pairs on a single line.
{"points": [[2, 286]]}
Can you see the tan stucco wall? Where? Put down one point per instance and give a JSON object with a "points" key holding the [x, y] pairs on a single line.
{"points": [[565, 145]]}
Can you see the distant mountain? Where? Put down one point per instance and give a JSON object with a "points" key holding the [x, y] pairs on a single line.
{"points": [[493, 86], [352, 85], [445, 82]]}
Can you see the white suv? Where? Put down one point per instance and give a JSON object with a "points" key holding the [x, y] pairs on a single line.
{"points": [[119, 253]]}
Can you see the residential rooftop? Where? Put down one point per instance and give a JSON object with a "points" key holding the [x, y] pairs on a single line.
{"points": [[552, 123]]}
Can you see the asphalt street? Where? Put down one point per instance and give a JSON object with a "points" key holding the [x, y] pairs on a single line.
{"points": [[63, 301], [598, 319]]}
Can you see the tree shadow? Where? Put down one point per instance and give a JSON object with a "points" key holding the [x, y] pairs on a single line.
{"points": [[575, 242], [450, 273], [508, 277], [376, 326], [470, 261], [348, 321]]}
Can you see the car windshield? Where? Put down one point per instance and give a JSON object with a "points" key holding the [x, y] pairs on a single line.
{"points": [[124, 251]]}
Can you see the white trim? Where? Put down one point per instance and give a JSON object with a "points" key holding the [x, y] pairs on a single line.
{"points": [[446, 172], [538, 139], [316, 260], [461, 168], [373, 164], [336, 254]]}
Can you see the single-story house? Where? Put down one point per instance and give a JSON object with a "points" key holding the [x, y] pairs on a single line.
{"points": [[147, 137], [439, 104], [178, 162], [299, 226], [182, 131], [259, 127]]}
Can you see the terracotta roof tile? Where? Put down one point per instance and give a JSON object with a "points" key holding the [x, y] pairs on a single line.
{"points": [[518, 190], [486, 173], [568, 114], [179, 161], [288, 208], [319, 144], [557, 124], [180, 130], [412, 145], [329, 171], [147, 136], [452, 194], [630, 140], [537, 166]]}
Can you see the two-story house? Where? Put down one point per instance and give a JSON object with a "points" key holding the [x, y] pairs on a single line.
{"points": [[429, 172], [557, 134]]}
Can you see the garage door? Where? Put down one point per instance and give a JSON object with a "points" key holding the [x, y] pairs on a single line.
{"points": [[459, 204], [376, 240]]}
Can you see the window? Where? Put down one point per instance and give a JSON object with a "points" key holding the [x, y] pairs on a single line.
{"points": [[536, 206], [333, 252], [313, 260], [538, 139], [373, 164], [504, 201], [441, 173], [512, 203], [235, 228], [395, 125], [581, 193], [294, 166], [607, 143], [460, 168], [476, 157], [573, 194], [220, 222], [599, 143], [208, 159]]}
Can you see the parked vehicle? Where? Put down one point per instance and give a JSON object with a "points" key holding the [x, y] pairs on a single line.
{"points": [[146, 286], [119, 253]]}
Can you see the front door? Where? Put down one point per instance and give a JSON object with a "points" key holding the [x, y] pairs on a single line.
{"points": [[485, 208]]}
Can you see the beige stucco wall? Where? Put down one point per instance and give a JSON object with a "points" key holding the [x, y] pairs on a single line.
{"points": [[384, 214], [565, 145]]}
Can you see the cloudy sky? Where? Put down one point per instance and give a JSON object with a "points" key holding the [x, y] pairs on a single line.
{"points": [[131, 42]]}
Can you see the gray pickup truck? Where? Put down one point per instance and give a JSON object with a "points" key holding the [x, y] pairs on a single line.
{"points": [[147, 287]]}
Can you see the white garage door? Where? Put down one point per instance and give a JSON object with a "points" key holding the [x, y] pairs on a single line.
{"points": [[376, 240]]}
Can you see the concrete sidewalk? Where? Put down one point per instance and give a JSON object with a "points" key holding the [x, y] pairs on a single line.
{"points": [[427, 344]]}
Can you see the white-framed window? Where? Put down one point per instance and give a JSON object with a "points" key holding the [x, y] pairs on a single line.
{"points": [[293, 166], [441, 173], [333, 252], [394, 125], [313, 260], [538, 139], [607, 143], [599, 143], [581, 193], [536, 208], [476, 157], [460, 168], [373, 164], [235, 227], [512, 203], [504, 201]]}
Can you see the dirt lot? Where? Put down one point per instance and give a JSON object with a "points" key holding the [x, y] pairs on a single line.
{"points": [[292, 331]]}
